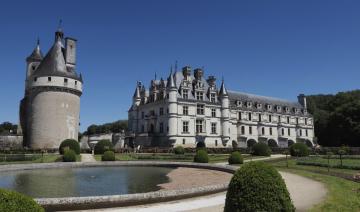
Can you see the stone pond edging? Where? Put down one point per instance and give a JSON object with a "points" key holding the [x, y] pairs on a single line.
{"points": [[92, 202]]}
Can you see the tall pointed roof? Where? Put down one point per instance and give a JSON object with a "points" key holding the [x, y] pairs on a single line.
{"points": [[170, 80], [53, 63], [137, 91], [223, 91], [36, 55]]}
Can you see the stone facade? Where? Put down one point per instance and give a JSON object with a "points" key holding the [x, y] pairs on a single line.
{"points": [[49, 111], [189, 110]]}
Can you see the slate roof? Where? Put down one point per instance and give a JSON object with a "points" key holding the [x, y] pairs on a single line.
{"points": [[36, 55]]}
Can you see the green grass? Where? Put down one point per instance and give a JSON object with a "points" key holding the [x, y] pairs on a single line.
{"points": [[47, 158], [347, 163], [343, 195]]}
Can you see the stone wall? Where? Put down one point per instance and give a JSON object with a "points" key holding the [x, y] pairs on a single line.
{"points": [[10, 142]]}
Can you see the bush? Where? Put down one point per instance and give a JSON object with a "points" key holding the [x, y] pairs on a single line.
{"points": [[103, 146], [261, 149], [108, 156], [179, 150], [69, 144], [299, 150], [257, 186], [201, 157], [272, 143], [69, 156], [236, 158], [13, 201]]}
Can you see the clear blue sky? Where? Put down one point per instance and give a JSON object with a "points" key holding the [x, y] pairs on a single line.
{"points": [[277, 48]]}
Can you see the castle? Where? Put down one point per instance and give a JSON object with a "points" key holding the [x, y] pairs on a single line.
{"points": [[192, 111], [49, 111]]}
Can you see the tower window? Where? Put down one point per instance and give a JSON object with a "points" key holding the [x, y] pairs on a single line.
{"points": [[75, 82], [65, 80], [49, 79]]}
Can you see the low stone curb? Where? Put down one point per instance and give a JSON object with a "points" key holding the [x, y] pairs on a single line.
{"points": [[92, 202]]}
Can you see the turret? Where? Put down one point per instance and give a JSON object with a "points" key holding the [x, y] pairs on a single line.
{"points": [[172, 92], [225, 116], [33, 60], [137, 97]]}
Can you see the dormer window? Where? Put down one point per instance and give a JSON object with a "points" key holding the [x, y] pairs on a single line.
{"points": [[212, 97], [305, 111], [199, 95], [185, 94], [248, 104], [278, 108], [258, 106], [269, 107], [238, 103], [287, 109]]}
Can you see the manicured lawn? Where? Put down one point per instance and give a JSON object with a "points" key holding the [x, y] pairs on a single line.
{"points": [[347, 163], [343, 195], [47, 158]]}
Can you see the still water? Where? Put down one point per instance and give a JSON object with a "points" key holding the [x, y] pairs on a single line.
{"points": [[90, 181]]}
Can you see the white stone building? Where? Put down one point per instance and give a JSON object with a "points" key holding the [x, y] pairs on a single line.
{"points": [[49, 111], [191, 111]]}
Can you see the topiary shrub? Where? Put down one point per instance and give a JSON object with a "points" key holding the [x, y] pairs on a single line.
{"points": [[103, 146], [69, 144], [257, 186], [261, 149], [14, 201], [179, 150], [236, 158], [69, 156], [201, 156], [108, 156], [299, 150]]}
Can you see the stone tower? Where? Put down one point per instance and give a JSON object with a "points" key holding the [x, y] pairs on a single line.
{"points": [[172, 92], [225, 114], [49, 111]]}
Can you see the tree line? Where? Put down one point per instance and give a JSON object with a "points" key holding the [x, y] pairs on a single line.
{"points": [[114, 127], [8, 128], [336, 118]]}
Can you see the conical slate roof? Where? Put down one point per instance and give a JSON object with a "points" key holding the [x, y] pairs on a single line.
{"points": [[170, 81], [223, 91], [54, 64], [36, 55]]}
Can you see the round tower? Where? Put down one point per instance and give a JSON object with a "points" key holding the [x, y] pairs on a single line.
{"points": [[225, 115], [172, 101], [53, 97]]}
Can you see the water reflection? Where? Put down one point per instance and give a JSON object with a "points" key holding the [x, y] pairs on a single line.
{"points": [[90, 181]]}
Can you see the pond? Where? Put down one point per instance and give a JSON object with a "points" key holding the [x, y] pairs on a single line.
{"points": [[89, 181]]}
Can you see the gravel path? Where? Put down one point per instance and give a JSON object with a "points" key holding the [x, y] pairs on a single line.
{"points": [[87, 158]]}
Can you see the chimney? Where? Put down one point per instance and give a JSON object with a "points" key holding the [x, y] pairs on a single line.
{"points": [[70, 51], [302, 100]]}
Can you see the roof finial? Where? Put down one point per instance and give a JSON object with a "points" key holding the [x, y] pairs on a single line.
{"points": [[38, 41], [176, 65], [155, 75], [60, 25], [171, 69]]}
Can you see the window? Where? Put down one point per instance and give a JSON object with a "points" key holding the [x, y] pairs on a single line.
{"points": [[289, 131], [212, 97], [161, 112], [142, 128], [238, 103], [248, 104], [262, 131], [199, 95], [142, 115], [259, 117], [33, 68], [249, 116], [213, 112], [200, 109], [300, 132], [297, 120], [185, 127], [305, 121], [199, 126], [239, 115], [35, 79], [213, 128], [65, 80], [184, 141], [161, 127], [250, 130], [270, 130], [282, 131], [288, 119], [278, 108], [167, 110], [306, 132], [185, 110], [270, 118], [269, 107], [279, 119], [75, 82], [49, 79], [242, 130], [185, 94], [216, 142], [258, 106]]}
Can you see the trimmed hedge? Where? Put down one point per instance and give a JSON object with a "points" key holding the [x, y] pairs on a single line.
{"points": [[14, 201], [108, 156], [201, 157], [69, 144], [179, 150], [236, 158], [261, 149], [257, 186], [103, 146], [299, 150], [69, 156]]}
